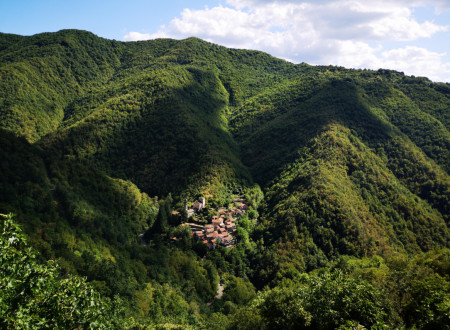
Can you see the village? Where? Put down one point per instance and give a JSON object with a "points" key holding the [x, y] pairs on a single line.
{"points": [[222, 226]]}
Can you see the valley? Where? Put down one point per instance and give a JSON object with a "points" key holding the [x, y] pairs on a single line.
{"points": [[150, 172]]}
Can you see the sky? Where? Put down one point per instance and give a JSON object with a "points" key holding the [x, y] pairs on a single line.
{"points": [[411, 36]]}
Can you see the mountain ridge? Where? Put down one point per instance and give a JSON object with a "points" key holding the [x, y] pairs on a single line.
{"points": [[351, 163]]}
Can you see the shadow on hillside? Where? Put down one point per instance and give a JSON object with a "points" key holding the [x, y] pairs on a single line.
{"points": [[273, 145], [175, 139]]}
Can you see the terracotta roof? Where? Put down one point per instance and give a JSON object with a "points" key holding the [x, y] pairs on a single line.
{"points": [[217, 221], [212, 235]]}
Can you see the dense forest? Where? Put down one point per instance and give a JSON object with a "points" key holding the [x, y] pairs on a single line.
{"points": [[345, 173]]}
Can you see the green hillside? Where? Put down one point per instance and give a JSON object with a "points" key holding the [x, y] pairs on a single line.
{"points": [[101, 140]]}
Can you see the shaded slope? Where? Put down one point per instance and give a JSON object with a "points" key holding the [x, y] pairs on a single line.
{"points": [[347, 167], [280, 122], [164, 130], [90, 222], [60, 194], [272, 127], [344, 198], [426, 131], [152, 112]]}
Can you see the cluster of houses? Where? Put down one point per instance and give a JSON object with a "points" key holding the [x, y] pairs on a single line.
{"points": [[217, 232], [222, 226]]}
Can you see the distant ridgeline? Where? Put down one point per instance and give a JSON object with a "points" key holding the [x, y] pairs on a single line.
{"points": [[351, 162]]}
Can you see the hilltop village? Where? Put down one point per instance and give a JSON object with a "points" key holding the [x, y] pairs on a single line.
{"points": [[221, 226]]}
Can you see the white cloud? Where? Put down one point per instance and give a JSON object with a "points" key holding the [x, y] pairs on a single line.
{"points": [[135, 36], [351, 54], [417, 61], [411, 60], [440, 4], [318, 32], [400, 26], [221, 23]]}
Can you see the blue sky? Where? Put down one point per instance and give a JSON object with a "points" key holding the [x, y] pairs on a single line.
{"points": [[412, 36]]}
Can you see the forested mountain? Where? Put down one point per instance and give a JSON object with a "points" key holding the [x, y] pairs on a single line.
{"points": [[346, 173]]}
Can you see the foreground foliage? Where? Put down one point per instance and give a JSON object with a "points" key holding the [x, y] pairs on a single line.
{"points": [[35, 295], [370, 292]]}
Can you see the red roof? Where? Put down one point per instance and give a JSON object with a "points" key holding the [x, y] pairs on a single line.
{"points": [[217, 221], [213, 234]]}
